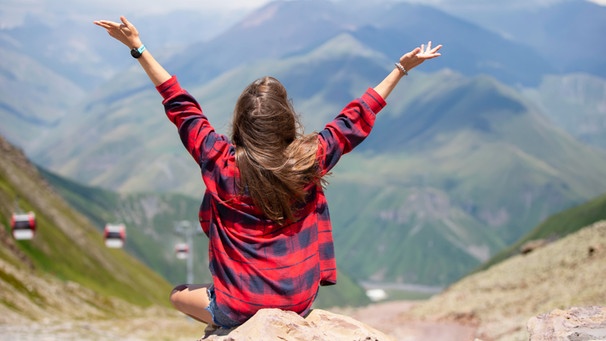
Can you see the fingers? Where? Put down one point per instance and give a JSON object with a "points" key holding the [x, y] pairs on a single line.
{"points": [[416, 51], [112, 24], [425, 50], [435, 49], [108, 25], [429, 52], [125, 22], [104, 23]]}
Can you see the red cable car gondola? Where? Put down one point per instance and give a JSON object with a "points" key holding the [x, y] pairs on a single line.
{"points": [[115, 235], [23, 225], [182, 250]]}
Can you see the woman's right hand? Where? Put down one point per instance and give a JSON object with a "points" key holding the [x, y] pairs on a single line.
{"points": [[124, 32]]}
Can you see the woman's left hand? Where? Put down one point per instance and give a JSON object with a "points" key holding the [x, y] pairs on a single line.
{"points": [[419, 55], [124, 32]]}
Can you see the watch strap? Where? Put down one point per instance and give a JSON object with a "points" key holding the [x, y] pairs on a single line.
{"points": [[136, 53]]}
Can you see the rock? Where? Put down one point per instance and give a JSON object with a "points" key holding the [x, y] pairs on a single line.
{"points": [[532, 245], [574, 324], [276, 324]]}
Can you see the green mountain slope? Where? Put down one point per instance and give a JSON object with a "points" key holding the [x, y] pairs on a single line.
{"points": [[150, 219], [556, 227], [501, 300], [66, 249]]}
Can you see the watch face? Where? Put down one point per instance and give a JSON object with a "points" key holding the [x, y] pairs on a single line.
{"points": [[135, 53]]}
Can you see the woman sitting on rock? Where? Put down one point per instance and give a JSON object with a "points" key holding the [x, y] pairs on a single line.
{"points": [[264, 209]]}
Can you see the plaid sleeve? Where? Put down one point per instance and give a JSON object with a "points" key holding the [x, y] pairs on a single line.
{"points": [[349, 128], [196, 132]]}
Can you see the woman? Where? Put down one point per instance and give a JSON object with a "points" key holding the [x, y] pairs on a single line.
{"points": [[264, 209]]}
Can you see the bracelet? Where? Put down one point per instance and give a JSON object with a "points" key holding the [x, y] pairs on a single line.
{"points": [[401, 68]]}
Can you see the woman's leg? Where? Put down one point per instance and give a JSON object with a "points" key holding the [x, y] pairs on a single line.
{"points": [[192, 300]]}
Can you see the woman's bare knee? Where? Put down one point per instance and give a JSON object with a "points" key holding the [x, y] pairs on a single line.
{"points": [[174, 294], [191, 300]]}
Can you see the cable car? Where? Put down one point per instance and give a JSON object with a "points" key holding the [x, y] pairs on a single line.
{"points": [[182, 250], [115, 235], [23, 225]]}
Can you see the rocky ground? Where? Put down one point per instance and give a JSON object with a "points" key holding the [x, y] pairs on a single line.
{"points": [[493, 305], [161, 324], [155, 324]]}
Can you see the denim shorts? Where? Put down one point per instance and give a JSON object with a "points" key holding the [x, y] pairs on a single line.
{"points": [[219, 318]]}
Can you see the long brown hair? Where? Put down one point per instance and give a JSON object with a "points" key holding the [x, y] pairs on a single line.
{"points": [[276, 161]]}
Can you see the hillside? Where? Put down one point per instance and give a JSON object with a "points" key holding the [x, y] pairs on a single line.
{"points": [[65, 284], [65, 271], [500, 300], [151, 220], [556, 227]]}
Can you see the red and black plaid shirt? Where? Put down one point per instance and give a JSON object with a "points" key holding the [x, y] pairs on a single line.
{"points": [[256, 263]]}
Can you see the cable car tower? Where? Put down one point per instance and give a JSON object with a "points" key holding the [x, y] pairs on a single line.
{"points": [[185, 250]]}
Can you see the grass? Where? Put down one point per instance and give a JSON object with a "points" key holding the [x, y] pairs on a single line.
{"points": [[66, 244]]}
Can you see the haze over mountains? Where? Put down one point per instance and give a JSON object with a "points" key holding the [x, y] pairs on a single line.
{"points": [[472, 151]]}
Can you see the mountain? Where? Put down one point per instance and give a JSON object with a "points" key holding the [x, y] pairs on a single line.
{"points": [[388, 28], [65, 270], [468, 168], [557, 32], [85, 56], [515, 44], [33, 99], [461, 163], [467, 163], [576, 103]]}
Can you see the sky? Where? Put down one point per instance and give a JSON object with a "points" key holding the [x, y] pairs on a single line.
{"points": [[12, 12]]}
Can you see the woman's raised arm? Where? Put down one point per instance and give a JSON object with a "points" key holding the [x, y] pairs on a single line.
{"points": [[406, 63], [127, 34]]}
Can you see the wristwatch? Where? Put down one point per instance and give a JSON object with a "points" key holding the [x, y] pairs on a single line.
{"points": [[136, 53]]}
